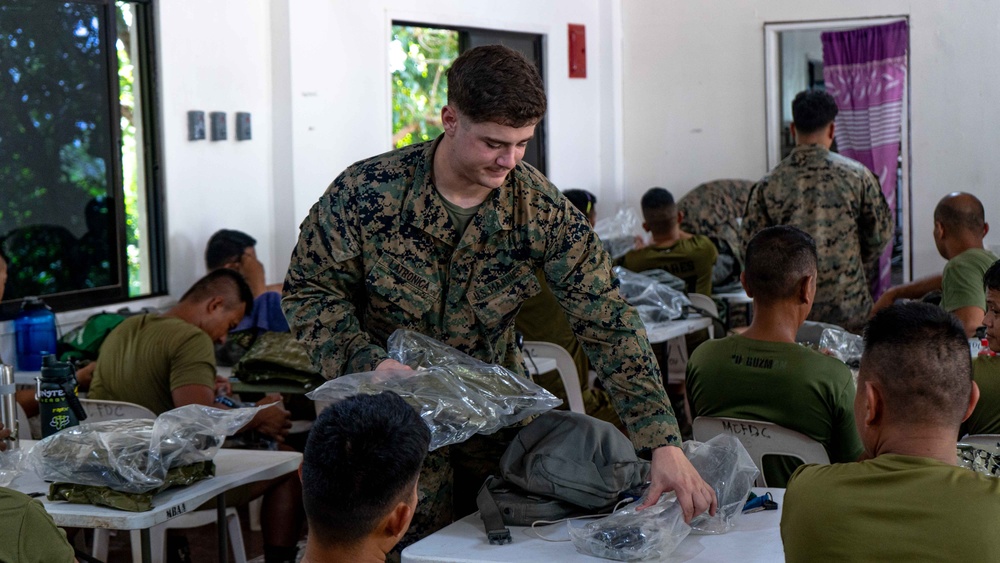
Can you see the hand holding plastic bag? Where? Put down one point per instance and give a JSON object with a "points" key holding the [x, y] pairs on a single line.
{"points": [[456, 395], [134, 455], [655, 532]]}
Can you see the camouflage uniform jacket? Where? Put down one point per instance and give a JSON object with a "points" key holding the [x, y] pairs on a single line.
{"points": [[838, 201], [378, 252]]}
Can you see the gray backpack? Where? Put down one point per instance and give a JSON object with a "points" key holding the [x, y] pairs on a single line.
{"points": [[563, 464]]}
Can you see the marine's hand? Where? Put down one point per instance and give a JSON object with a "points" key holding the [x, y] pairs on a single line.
{"points": [[671, 471], [223, 388], [275, 421]]}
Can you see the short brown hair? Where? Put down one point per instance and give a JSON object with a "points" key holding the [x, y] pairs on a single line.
{"points": [[498, 84]]}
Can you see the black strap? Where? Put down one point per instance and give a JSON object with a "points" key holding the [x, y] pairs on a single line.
{"points": [[490, 513]]}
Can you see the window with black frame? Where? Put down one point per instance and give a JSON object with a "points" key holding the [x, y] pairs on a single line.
{"points": [[79, 213]]}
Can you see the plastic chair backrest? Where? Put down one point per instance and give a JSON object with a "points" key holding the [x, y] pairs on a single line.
{"points": [[707, 304], [566, 367], [761, 439], [99, 410]]}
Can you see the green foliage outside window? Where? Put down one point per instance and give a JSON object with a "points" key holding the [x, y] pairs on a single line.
{"points": [[419, 59]]}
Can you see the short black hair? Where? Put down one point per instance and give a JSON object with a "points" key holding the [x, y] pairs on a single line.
{"points": [[991, 279], [226, 246], [225, 283], [919, 354], [659, 210], [777, 259], [362, 457], [813, 110], [496, 83], [582, 200]]}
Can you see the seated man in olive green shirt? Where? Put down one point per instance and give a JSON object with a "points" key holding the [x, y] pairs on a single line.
{"points": [[166, 361], [908, 501], [27, 532], [959, 229], [985, 368], [763, 374], [689, 257]]}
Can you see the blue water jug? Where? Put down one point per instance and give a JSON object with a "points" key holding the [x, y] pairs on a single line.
{"points": [[35, 331]]}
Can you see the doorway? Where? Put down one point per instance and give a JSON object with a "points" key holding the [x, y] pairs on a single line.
{"points": [[793, 56]]}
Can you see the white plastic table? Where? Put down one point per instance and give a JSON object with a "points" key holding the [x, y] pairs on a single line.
{"points": [[232, 469], [756, 538], [661, 332]]}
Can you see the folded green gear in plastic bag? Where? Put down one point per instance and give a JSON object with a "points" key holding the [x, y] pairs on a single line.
{"points": [[276, 357], [132, 502]]}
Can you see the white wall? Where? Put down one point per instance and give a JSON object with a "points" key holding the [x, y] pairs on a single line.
{"points": [[694, 95], [215, 56]]}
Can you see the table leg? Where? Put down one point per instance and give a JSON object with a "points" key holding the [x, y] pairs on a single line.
{"points": [[147, 556], [220, 522]]}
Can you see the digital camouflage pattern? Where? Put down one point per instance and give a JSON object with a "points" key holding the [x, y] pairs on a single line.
{"points": [[378, 252], [714, 208], [839, 202]]}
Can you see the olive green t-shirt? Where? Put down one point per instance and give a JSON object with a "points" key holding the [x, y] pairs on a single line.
{"points": [[146, 357], [962, 279], [891, 508], [460, 216], [986, 418], [780, 382], [27, 532], [689, 259]]}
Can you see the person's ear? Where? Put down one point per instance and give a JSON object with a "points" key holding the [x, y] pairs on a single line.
{"points": [[398, 521], [830, 129], [214, 304], [795, 134], [807, 289], [743, 282], [973, 399], [680, 217], [449, 120], [645, 226], [986, 229], [874, 404]]}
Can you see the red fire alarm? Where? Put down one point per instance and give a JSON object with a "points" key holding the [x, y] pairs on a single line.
{"points": [[577, 51]]}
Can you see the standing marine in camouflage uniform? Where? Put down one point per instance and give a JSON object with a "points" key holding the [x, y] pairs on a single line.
{"points": [[833, 198], [713, 209], [444, 238]]}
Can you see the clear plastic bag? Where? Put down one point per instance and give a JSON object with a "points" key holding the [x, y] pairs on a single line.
{"points": [[656, 302], [666, 278], [134, 455], [845, 346], [618, 233], [11, 465], [727, 467], [628, 535], [656, 532], [456, 395]]}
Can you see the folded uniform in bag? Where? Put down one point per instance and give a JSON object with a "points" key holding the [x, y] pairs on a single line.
{"points": [[562, 464]]}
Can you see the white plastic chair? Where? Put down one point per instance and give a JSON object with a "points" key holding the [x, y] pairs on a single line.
{"points": [[707, 304], [761, 439], [565, 366], [988, 442], [97, 411]]}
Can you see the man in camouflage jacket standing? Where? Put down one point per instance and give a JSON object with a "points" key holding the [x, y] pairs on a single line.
{"points": [[444, 238], [833, 198]]}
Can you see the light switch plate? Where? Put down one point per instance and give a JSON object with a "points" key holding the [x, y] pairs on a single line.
{"points": [[218, 119], [242, 126], [196, 125]]}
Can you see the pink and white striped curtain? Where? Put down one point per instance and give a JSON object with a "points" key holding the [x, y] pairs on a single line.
{"points": [[865, 71]]}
